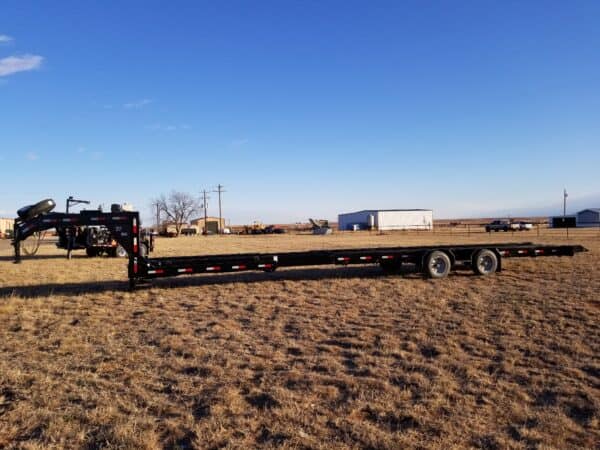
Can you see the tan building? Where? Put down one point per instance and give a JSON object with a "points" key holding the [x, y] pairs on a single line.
{"points": [[212, 224], [5, 224]]}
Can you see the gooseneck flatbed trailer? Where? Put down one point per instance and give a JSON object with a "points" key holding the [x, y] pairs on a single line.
{"points": [[435, 261]]}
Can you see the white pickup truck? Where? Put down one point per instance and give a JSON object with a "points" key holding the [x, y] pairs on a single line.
{"points": [[502, 225]]}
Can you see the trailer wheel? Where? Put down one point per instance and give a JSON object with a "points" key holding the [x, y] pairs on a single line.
{"points": [[485, 262], [120, 252], [437, 264], [143, 249]]}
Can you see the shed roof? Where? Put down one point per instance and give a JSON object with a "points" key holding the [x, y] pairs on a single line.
{"points": [[596, 210], [208, 218], [387, 210]]}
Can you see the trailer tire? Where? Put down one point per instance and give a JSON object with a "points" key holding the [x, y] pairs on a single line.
{"points": [[143, 249], [437, 264], [31, 211], [120, 252], [485, 262]]}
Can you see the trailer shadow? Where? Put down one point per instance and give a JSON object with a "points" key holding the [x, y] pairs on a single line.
{"points": [[11, 258], [310, 274]]}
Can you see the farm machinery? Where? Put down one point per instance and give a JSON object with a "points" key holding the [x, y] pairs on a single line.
{"points": [[76, 231], [435, 261], [320, 227]]}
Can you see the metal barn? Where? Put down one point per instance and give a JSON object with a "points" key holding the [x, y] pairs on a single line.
{"points": [[589, 218], [386, 220]]}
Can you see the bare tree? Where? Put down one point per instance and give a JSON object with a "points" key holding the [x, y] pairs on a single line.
{"points": [[178, 208]]}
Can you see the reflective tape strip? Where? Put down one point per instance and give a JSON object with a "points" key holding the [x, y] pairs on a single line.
{"points": [[539, 251], [186, 270], [240, 267], [387, 257], [366, 258], [213, 268], [265, 266], [522, 252], [343, 258], [157, 271]]}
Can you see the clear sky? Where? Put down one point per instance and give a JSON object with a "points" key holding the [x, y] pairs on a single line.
{"points": [[302, 108]]}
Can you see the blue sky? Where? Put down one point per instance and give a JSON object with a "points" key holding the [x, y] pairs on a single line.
{"points": [[302, 108]]}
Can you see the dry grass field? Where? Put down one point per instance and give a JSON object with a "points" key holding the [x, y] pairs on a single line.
{"points": [[302, 358]]}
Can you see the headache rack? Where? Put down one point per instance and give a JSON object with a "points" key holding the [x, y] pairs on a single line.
{"points": [[435, 261]]}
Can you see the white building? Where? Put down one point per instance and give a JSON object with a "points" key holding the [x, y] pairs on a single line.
{"points": [[386, 219], [589, 218]]}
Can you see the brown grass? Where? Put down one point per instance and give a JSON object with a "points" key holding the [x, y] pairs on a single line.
{"points": [[312, 358]]}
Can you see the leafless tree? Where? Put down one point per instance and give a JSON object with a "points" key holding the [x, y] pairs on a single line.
{"points": [[178, 208]]}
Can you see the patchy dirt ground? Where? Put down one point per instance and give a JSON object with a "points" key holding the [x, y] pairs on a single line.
{"points": [[312, 358]]}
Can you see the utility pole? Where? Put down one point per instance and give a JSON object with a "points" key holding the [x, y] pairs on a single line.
{"points": [[565, 195], [220, 191], [205, 198]]}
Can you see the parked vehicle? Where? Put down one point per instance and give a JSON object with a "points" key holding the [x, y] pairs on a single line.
{"points": [[320, 227], [260, 228], [272, 229], [189, 231], [502, 225], [525, 226]]}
